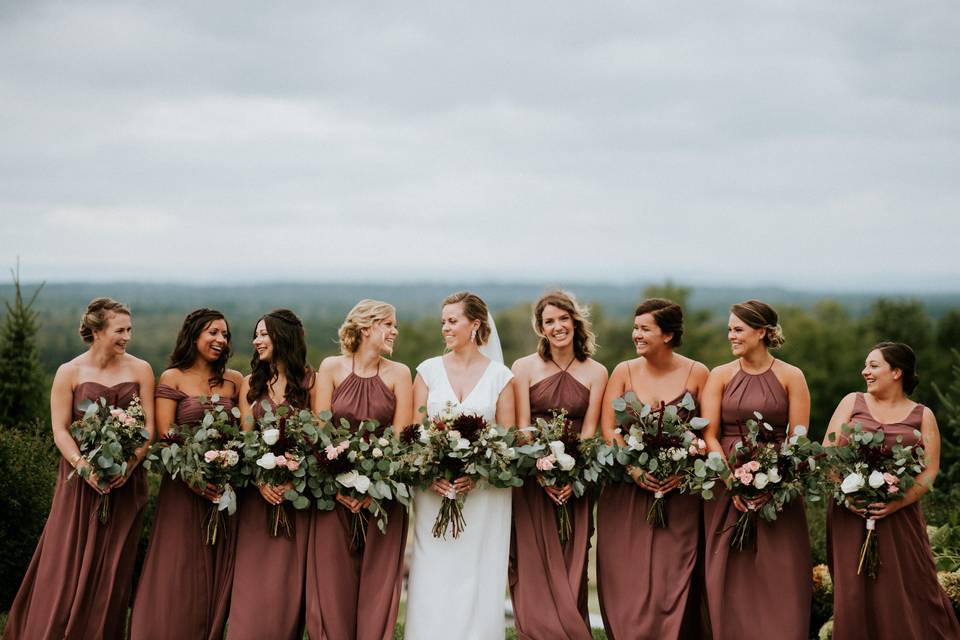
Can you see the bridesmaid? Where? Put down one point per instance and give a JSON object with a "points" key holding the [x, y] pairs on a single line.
{"points": [[905, 601], [269, 574], [649, 579], [180, 572], [548, 580], [79, 582], [766, 593], [356, 595]]}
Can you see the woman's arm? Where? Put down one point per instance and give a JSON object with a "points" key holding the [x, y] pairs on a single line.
{"points": [[166, 408], [615, 387], [521, 391], [246, 410], [324, 384], [403, 390], [711, 399], [930, 437], [598, 388], [841, 416], [798, 395], [420, 392], [507, 406]]}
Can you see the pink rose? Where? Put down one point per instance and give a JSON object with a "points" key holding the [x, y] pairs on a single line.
{"points": [[281, 461], [210, 456], [889, 478], [332, 452], [693, 450], [753, 465], [546, 463], [893, 488], [116, 413], [343, 446], [293, 465]]}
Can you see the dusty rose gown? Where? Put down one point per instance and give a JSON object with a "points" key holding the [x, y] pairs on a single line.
{"points": [[905, 601], [269, 575], [763, 594], [79, 582], [181, 574], [649, 579], [354, 595], [548, 580]]}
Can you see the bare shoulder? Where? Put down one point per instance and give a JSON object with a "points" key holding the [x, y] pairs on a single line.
{"points": [[330, 364], [396, 369], [596, 369], [142, 367], [523, 366], [234, 377], [172, 377], [789, 372], [724, 372], [67, 372], [928, 417], [622, 368]]}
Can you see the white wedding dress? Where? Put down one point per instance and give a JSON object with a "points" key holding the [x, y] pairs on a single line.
{"points": [[456, 586]]}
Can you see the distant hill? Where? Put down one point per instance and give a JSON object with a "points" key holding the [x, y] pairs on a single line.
{"points": [[418, 299]]}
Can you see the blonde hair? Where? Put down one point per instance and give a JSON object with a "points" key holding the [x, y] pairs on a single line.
{"points": [[97, 316], [475, 309], [364, 315], [584, 342]]}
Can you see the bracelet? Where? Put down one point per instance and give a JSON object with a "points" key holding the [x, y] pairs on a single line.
{"points": [[75, 459]]}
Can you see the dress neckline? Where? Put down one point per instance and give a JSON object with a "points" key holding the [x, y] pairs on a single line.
{"points": [[559, 373], [453, 392], [105, 386], [863, 399]]}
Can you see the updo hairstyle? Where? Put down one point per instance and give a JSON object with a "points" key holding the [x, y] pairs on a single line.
{"points": [[667, 314], [364, 315], [900, 356], [760, 315], [475, 309], [584, 342], [97, 316]]}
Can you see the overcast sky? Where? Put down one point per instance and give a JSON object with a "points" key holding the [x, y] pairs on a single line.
{"points": [[798, 143]]}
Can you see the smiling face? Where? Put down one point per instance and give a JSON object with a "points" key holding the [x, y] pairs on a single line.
{"points": [[557, 326], [116, 333], [878, 374], [213, 340], [262, 343], [648, 338], [455, 327], [383, 334], [743, 338]]}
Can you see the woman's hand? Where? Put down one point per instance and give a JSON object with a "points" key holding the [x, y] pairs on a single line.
{"points": [[464, 484], [644, 480], [273, 493], [559, 495], [444, 488], [92, 478], [750, 504], [121, 480], [858, 507], [878, 510], [211, 492], [354, 505]]}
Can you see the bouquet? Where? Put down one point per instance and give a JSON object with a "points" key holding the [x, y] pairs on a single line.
{"points": [[557, 457], [279, 453], [108, 438], [455, 444], [360, 463], [865, 471], [660, 443], [763, 464], [203, 455]]}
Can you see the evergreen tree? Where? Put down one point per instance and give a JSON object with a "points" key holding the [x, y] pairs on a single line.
{"points": [[948, 419], [22, 382]]}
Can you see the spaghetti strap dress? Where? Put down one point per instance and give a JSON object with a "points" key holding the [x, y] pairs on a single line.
{"points": [[356, 595], [79, 581], [649, 580], [548, 580], [766, 593], [269, 575], [180, 572], [905, 601]]}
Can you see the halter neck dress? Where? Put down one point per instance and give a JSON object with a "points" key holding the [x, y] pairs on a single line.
{"points": [[905, 601], [79, 581], [180, 572], [269, 576], [354, 595], [548, 580], [649, 580], [767, 593]]}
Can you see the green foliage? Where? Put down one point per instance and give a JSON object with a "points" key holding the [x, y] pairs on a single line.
{"points": [[949, 422], [28, 474], [23, 394]]}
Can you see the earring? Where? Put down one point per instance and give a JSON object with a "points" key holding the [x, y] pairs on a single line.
{"points": [[473, 336]]}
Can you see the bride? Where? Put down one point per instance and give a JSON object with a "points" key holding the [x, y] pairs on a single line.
{"points": [[456, 586]]}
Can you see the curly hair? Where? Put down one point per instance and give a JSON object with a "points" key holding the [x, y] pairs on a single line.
{"points": [[289, 349], [364, 315], [184, 353], [475, 309], [584, 342], [97, 316]]}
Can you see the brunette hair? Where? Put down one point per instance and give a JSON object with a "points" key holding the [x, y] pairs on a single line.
{"points": [[290, 348], [97, 316], [760, 315], [584, 342], [475, 309], [364, 315], [667, 314], [900, 356], [184, 353]]}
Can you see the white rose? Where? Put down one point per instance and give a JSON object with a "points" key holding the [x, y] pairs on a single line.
{"points": [[232, 458], [760, 480], [423, 434], [565, 461], [349, 479], [267, 461], [461, 444], [677, 454], [774, 474], [377, 453], [556, 448], [270, 436], [362, 484], [383, 442], [634, 443], [852, 483], [876, 480]]}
